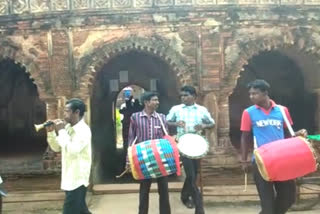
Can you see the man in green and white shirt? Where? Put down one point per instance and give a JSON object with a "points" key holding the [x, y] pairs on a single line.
{"points": [[190, 117], [72, 137]]}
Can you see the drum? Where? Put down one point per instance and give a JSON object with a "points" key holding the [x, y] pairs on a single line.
{"points": [[286, 159], [193, 146], [154, 158]]}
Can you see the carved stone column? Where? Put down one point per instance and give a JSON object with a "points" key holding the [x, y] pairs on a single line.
{"points": [[61, 102], [210, 102], [224, 142], [51, 107], [87, 116], [222, 153], [51, 159], [317, 112]]}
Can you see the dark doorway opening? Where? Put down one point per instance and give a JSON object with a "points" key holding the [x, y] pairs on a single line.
{"points": [[21, 147], [287, 88], [132, 68]]}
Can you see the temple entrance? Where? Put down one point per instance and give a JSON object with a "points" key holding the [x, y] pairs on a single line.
{"points": [[127, 103], [140, 69], [288, 88], [21, 147]]}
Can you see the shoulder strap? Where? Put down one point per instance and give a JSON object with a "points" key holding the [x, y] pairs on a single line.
{"points": [[286, 121], [162, 125]]}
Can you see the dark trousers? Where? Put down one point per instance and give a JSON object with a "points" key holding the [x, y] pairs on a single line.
{"points": [[275, 197], [163, 196], [0, 204], [190, 187], [75, 201]]}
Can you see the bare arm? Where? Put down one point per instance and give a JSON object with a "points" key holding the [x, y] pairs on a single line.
{"points": [[172, 123], [246, 138]]}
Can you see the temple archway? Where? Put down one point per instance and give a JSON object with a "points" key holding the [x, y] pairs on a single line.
{"points": [[21, 147], [149, 63], [287, 88]]}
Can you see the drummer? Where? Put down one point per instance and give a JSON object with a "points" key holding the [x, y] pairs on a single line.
{"points": [[146, 125], [266, 122], [190, 117]]}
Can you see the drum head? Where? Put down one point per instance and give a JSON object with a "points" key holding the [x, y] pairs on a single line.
{"points": [[193, 146]]}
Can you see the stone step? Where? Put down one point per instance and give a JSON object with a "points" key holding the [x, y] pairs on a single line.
{"points": [[34, 196], [221, 192], [131, 188]]}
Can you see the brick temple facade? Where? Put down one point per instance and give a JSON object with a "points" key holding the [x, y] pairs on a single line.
{"points": [[77, 48]]}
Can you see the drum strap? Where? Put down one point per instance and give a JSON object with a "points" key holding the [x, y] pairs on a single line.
{"points": [[286, 121], [162, 125]]}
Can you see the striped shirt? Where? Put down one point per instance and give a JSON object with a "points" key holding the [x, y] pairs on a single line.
{"points": [[192, 115], [146, 128]]}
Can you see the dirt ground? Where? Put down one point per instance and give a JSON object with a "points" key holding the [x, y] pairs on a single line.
{"points": [[41, 195], [128, 203]]}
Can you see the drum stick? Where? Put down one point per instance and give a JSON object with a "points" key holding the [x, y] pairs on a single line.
{"points": [[134, 141], [245, 181], [122, 174], [201, 181]]}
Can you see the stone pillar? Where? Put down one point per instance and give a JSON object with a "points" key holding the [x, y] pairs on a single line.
{"points": [[210, 102], [317, 112], [51, 160], [224, 142], [85, 90], [222, 153], [51, 107], [87, 116], [61, 102]]}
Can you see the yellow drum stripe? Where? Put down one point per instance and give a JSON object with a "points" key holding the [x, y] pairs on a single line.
{"points": [[313, 151], [133, 169], [261, 166]]}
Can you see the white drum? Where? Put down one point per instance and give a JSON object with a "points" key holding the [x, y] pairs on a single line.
{"points": [[193, 146]]}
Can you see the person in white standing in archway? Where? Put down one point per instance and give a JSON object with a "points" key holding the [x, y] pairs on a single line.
{"points": [[72, 136]]}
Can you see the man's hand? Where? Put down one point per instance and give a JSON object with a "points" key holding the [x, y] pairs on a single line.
{"points": [[181, 124], [245, 165], [50, 128], [302, 133], [60, 124], [199, 127], [128, 167]]}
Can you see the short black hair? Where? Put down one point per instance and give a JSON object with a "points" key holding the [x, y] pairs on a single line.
{"points": [[190, 89], [146, 96], [77, 104], [260, 84]]}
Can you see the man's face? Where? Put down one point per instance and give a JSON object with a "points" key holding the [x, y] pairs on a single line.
{"points": [[153, 103], [187, 98], [70, 116], [256, 96]]}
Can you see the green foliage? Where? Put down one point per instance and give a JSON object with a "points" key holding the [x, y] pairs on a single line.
{"points": [[118, 119]]}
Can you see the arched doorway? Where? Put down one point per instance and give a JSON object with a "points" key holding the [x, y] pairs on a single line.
{"points": [[127, 103], [21, 147], [130, 68], [287, 88]]}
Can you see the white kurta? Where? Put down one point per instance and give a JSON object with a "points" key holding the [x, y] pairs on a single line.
{"points": [[74, 142]]}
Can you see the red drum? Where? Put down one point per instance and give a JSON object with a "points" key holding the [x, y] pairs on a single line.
{"points": [[286, 159]]}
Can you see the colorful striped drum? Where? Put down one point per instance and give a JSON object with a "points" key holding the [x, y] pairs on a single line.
{"points": [[154, 158], [286, 159]]}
